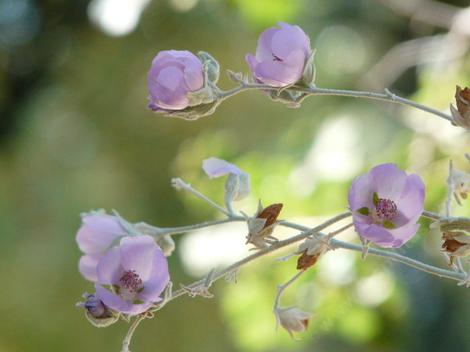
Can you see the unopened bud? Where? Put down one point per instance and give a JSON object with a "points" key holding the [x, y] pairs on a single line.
{"points": [[96, 312]]}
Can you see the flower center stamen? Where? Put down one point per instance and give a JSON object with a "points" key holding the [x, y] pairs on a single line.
{"points": [[386, 209], [130, 285]]}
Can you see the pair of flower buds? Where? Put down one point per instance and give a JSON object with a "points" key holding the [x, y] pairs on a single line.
{"points": [[179, 79]]}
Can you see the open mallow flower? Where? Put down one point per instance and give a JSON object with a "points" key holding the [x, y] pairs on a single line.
{"points": [[172, 76], [386, 204], [281, 56], [237, 185], [135, 274], [96, 235]]}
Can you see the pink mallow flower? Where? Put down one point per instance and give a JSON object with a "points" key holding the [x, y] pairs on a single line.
{"points": [[96, 235], [172, 76], [386, 204], [135, 272], [281, 55]]}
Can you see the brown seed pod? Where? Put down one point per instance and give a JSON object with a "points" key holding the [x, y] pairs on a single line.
{"points": [[305, 260], [270, 213], [462, 98]]}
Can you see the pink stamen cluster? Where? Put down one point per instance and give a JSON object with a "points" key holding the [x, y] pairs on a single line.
{"points": [[386, 209], [131, 281]]}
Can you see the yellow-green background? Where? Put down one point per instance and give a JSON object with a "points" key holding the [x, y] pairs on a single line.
{"points": [[76, 135]]}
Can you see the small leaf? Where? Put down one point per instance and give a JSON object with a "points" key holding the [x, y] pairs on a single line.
{"points": [[388, 224], [375, 198], [363, 211]]}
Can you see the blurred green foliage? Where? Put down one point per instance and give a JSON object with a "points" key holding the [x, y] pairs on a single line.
{"points": [[76, 135]]}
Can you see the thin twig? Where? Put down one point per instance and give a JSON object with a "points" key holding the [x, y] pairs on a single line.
{"points": [[335, 244], [283, 287], [180, 184], [127, 340], [387, 96]]}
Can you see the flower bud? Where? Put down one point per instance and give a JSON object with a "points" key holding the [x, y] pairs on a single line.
{"points": [[461, 114], [182, 84], [293, 319], [281, 56], [96, 312]]}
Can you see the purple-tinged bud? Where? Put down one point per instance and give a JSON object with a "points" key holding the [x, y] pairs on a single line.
{"points": [[281, 57], [96, 312], [172, 76], [182, 84]]}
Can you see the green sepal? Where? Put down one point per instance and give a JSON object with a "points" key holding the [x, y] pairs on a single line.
{"points": [[363, 211], [375, 198], [291, 98], [104, 321], [309, 73], [210, 65], [192, 113], [388, 225]]}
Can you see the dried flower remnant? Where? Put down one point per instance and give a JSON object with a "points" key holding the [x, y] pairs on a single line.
{"points": [[292, 319], [456, 244], [386, 204], [461, 114], [310, 251], [262, 224]]}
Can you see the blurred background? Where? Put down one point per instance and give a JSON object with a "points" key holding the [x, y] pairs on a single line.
{"points": [[75, 135]]}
